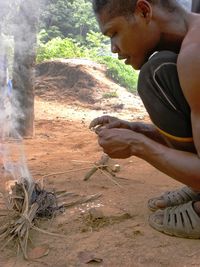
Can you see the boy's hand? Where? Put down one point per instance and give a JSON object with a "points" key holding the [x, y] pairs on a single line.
{"points": [[119, 143], [109, 122]]}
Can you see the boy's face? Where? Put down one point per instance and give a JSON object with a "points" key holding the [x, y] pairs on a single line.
{"points": [[131, 37]]}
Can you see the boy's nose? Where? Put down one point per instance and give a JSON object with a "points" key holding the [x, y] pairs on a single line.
{"points": [[114, 48]]}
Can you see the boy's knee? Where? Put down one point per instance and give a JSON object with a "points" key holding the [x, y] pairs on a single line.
{"points": [[161, 93]]}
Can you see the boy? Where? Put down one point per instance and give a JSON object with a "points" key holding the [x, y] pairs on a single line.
{"points": [[161, 39]]}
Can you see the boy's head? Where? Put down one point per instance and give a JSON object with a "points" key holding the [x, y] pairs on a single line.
{"points": [[114, 7], [135, 26], [126, 7]]}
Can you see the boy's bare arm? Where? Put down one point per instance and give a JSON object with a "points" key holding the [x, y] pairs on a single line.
{"points": [[189, 75]]}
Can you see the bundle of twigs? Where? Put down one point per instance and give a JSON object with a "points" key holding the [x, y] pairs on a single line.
{"points": [[27, 203]]}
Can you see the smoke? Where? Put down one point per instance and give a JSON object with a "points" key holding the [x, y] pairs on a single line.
{"points": [[11, 143], [12, 154]]}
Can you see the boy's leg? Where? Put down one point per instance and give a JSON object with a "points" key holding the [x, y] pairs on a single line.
{"points": [[160, 91], [168, 109]]}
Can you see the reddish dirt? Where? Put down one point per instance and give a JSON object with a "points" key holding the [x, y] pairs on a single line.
{"points": [[63, 143]]}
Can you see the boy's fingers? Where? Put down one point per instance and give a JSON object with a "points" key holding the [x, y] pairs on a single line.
{"points": [[98, 130], [99, 121], [115, 124]]}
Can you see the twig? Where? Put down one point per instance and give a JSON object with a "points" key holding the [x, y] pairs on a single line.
{"points": [[81, 161], [3, 229], [98, 165], [122, 178], [59, 173], [7, 242], [193, 254], [65, 194], [109, 170], [46, 232], [105, 169], [3, 213], [22, 248], [26, 201], [90, 173], [110, 178], [26, 206]]}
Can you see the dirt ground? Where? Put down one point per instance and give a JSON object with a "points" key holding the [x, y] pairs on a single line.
{"points": [[113, 230]]}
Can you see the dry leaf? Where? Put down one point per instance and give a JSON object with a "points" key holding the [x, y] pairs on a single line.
{"points": [[38, 252]]}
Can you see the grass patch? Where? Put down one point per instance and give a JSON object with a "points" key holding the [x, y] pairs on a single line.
{"points": [[110, 95]]}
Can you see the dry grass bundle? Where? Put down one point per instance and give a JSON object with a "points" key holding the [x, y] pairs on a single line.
{"points": [[25, 205]]}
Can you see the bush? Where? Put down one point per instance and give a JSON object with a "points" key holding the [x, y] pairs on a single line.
{"points": [[124, 75], [59, 48]]}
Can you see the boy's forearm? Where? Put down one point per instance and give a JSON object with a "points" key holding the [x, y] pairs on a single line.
{"points": [[180, 165], [149, 130]]}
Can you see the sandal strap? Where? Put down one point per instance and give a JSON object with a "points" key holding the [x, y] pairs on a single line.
{"points": [[181, 221], [177, 197]]}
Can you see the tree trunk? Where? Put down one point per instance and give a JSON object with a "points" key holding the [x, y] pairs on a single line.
{"points": [[24, 60]]}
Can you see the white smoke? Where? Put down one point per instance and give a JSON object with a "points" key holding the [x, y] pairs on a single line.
{"points": [[12, 156], [11, 143]]}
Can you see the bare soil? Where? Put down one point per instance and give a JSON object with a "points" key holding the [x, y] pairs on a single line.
{"points": [[113, 230]]}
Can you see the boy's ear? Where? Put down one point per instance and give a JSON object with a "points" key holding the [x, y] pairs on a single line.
{"points": [[144, 9]]}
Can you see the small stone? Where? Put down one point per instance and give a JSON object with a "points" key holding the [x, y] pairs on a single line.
{"points": [[116, 168]]}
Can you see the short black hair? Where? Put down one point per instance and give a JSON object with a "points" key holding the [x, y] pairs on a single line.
{"points": [[125, 7], [114, 7]]}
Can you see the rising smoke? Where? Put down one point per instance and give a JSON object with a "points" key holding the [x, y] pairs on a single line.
{"points": [[12, 157]]}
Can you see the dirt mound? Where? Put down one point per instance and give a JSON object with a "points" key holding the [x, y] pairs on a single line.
{"points": [[84, 83], [70, 79]]}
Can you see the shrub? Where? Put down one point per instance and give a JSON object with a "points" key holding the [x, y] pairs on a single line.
{"points": [[58, 48], [110, 95], [120, 73]]}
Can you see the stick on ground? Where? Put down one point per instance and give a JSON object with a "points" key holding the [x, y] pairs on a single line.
{"points": [[101, 164]]}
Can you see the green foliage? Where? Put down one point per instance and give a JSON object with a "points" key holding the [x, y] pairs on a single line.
{"points": [[46, 35], [120, 73], [71, 18], [97, 44], [59, 48]]}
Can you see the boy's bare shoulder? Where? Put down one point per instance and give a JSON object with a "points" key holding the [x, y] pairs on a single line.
{"points": [[192, 37]]}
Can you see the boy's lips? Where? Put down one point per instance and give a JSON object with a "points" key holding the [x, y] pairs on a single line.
{"points": [[127, 61], [125, 58], [121, 57]]}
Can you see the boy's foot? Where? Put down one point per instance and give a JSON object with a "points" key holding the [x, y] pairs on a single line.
{"points": [[173, 198], [180, 221]]}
